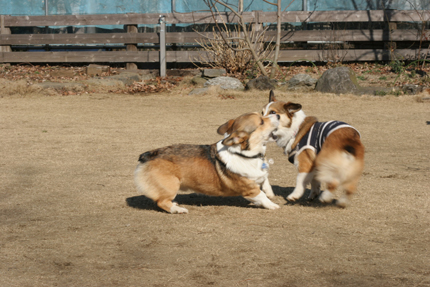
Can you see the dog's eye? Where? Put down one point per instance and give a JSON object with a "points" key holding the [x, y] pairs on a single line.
{"points": [[262, 122], [272, 112]]}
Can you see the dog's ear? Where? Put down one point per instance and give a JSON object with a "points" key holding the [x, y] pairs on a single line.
{"points": [[225, 127], [237, 138], [292, 108], [272, 96]]}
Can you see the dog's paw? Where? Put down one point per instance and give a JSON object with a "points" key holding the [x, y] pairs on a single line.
{"points": [[326, 197], [342, 202], [292, 198], [271, 205], [175, 209], [270, 195], [313, 194]]}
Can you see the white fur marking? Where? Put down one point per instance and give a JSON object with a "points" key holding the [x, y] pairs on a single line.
{"points": [[262, 200], [176, 209], [286, 134], [267, 108], [247, 167], [302, 180], [267, 188], [326, 197]]}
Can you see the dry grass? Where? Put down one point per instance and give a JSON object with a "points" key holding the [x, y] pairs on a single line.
{"points": [[70, 215]]}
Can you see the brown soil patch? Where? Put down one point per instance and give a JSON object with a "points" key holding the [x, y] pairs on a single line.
{"points": [[70, 215]]}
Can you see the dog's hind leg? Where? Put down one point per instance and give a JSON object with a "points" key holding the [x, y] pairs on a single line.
{"points": [[155, 183], [315, 189], [350, 189], [302, 181], [327, 195], [168, 187]]}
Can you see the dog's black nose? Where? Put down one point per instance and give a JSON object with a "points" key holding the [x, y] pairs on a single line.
{"points": [[278, 117]]}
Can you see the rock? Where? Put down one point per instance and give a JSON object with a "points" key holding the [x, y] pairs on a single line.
{"points": [[301, 81], [198, 91], [340, 80], [143, 74], [226, 83], [379, 91], [104, 82], [213, 73], [63, 73], [421, 73], [198, 81], [412, 89], [261, 83], [127, 78], [97, 70], [60, 86], [182, 73]]}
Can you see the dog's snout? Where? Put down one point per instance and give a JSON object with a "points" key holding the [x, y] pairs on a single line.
{"points": [[278, 116]]}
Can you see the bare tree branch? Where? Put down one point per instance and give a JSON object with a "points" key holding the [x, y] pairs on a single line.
{"points": [[274, 4]]}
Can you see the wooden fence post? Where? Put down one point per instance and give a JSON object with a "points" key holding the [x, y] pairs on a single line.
{"points": [[388, 30], [131, 47], [162, 22], [257, 26], [4, 31]]}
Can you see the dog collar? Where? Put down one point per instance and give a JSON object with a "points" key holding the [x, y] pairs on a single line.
{"points": [[259, 155]]}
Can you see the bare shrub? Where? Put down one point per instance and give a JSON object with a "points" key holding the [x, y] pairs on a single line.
{"points": [[228, 49]]}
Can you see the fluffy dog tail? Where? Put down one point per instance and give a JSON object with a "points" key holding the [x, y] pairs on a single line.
{"points": [[341, 167]]}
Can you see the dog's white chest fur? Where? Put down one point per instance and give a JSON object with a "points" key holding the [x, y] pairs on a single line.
{"points": [[251, 168]]}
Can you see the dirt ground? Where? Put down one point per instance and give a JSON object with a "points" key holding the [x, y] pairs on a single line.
{"points": [[70, 214]]}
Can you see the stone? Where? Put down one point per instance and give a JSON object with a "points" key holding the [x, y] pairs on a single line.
{"points": [[97, 70], [226, 83], [182, 73], [302, 80], [103, 82], [261, 83], [340, 80], [63, 73], [198, 81], [60, 86], [198, 91], [127, 78], [412, 89], [213, 73]]}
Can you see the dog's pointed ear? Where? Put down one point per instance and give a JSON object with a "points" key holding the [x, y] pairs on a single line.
{"points": [[225, 127], [272, 96], [292, 108], [237, 138]]}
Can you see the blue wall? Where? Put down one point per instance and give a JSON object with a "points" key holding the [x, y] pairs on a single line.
{"points": [[67, 7]]}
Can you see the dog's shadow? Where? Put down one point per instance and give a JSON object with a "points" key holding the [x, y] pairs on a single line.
{"points": [[196, 199], [303, 201]]}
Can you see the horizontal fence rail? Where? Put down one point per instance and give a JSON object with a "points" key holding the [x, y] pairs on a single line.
{"points": [[206, 17], [127, 47]]}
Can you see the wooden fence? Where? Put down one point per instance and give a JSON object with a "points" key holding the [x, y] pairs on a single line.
{"points": [[379, 41]]}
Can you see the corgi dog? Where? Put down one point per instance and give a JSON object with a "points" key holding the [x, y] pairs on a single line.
{"points": [[329, 153], [234, 166]]}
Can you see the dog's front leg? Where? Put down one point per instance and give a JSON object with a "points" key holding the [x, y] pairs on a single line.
{"points": [[267, 188], [305, 164], [262, 200]]}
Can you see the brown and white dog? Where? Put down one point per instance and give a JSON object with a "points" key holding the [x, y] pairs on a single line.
{"points": [[329, 153], [234, 166]]}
